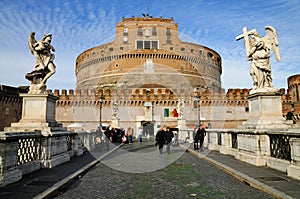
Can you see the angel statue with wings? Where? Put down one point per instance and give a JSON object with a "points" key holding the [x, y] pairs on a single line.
{"points": [[44, 67], [258, 52]]}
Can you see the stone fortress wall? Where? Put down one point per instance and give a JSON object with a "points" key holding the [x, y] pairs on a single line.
{"points": [[72, 102], [220, 109], [291, 103], [213, 104], [10, 105]]}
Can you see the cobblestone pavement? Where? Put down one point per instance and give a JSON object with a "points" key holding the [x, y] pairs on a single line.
{"points": [[185, 177]]}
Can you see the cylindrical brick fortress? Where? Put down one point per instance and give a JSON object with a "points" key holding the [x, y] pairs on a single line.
{"points": [[148, 53]]}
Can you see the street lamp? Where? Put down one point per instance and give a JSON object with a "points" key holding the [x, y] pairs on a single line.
{"points": [[100, 115], [197, 96]]}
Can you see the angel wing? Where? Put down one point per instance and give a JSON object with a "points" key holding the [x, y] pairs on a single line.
{"points": [[31, 42], [271, 41]]}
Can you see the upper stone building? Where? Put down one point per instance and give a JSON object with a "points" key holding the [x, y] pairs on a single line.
{"points": [[147, 53]]}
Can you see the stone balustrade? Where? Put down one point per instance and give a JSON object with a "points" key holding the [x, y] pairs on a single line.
{"points": [[276, 149], [24, 152]]}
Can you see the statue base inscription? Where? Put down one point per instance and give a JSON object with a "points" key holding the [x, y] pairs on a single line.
{"points": [[38, 114], [265, 111]]}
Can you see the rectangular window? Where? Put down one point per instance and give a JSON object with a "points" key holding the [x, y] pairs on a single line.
{"points": [[154, 31], [146, 44], [125, 31], [182, 49], [154, 45], [192, 50], [139, 44], [196, 104], [169, 40], [200, 52], [111, 49], [140, 31], [168, 32]]}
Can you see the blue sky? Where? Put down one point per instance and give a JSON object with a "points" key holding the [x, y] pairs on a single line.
{"points": [[78, 25]]}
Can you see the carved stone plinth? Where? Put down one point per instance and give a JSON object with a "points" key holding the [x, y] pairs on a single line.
{"points": [[265, 111], [184, 134], [253, 148], [38, 114], [114, 123]]}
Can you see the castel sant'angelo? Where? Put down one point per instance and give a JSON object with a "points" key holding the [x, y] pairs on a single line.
{"points": [[147, 77]]}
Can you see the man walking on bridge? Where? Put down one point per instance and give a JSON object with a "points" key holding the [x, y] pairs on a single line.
{"points": [[160, 139], [169, 137]]}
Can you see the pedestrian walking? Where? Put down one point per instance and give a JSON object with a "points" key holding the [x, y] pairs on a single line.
{"points": [[129, 135], [202, 134], [196, 138], [106, 137], [140, 135], [169, 136], [160, 139]]}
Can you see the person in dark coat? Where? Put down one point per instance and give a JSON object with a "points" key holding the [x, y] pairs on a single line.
{"points": [[196, 138], [160, 139], [202, 134], [169, 136]]}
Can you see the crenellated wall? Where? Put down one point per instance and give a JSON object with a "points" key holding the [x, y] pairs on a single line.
{"points": [[218, 108], [10, 105]]}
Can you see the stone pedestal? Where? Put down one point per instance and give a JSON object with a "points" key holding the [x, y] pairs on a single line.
{"points": [[265, 111], [253, 148], [114, 123], [184, 134], [38, 114]]}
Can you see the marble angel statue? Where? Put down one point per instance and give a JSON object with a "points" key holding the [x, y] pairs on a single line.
{"points": [[258, 52], [44, 66]]}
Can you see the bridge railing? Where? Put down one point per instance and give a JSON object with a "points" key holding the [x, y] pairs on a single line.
{"points": [[25, 152], [276, 149]]}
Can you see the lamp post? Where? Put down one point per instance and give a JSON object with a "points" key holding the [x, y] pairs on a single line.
{"points": [[198, 109], [197, 96], [100, 115]]}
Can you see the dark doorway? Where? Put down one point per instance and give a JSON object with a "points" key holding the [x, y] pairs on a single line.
{"points": [[148, 128]]}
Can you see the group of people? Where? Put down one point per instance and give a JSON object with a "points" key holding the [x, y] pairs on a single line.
{"points": [[107, 134], [200, 133], [164, 137]]}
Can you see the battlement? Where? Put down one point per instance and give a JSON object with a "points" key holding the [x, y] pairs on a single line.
{"points": [[161, 19], [68, 94], [137, 96]]}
